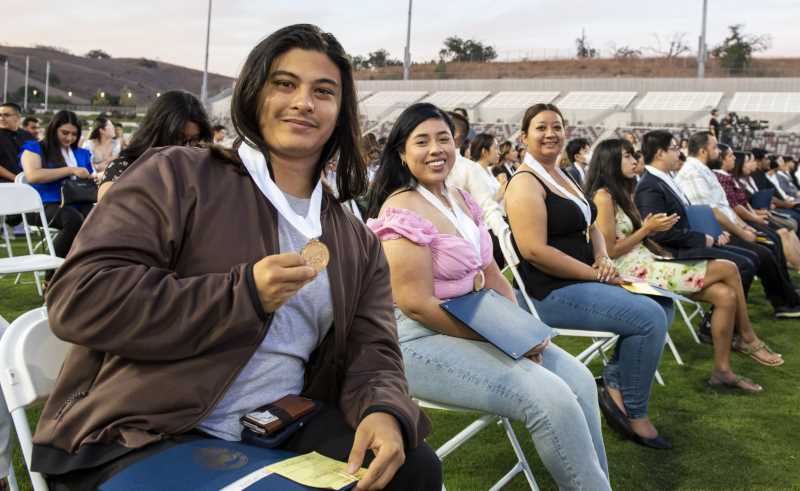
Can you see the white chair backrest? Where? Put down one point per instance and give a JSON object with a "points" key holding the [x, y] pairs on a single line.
{"points": [[512, 261], [18, 198], [20, 179], [30, 359], [22, 198]]}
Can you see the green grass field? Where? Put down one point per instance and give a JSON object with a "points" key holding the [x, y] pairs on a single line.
{"points": [[722, 440]]}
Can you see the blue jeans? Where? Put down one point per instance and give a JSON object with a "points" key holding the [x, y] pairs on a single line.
{"points": [[557, 400], [640, 321]]}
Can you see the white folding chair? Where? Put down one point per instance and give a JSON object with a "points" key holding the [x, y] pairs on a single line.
{"points": [[30, 360], [6, 236], [12, 478], [475, 427], [602, 341], [21, 199], [697, 311]]}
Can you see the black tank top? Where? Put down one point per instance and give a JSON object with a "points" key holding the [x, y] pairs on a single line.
{"points": [[566, 231]]}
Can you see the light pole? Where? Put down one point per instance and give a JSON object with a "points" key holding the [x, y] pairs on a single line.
{"points": [[46, 85], [5, 84], [701, 52], [27, 66], [407, 57], [204, 88]]}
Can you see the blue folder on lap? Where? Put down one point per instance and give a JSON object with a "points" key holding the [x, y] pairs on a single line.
{"points": [[702, 219], [206, 464], [509, 327], [761, 200]]}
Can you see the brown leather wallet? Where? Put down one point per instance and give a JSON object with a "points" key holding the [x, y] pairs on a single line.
{"points": [[276, 415]]}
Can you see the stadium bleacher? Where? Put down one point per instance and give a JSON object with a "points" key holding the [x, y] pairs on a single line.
{"points": [[681, 112], [509, 105]]}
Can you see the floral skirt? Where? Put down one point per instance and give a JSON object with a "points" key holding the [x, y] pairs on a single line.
{"points": [[682, 277]]}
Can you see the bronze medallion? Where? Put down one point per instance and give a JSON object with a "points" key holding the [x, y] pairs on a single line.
{"points": [[316, 254], [479, 282]]}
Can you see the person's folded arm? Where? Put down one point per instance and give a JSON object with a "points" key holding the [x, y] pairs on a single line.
{"points": [[118, 291], [35, 174], [748, 214], [732, 227]]}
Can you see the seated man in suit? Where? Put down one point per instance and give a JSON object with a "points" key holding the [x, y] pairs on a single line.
{"points": [[698, 183], [578, 156], [657, 192]]}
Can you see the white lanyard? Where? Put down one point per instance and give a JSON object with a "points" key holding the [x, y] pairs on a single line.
{"points": [[310, 225], [774, 180], [69, 157], [749, 184], [465, 226], [579, 200]]}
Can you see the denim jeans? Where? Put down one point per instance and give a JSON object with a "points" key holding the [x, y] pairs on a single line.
{"points": [[640, 321], [557, 400]]}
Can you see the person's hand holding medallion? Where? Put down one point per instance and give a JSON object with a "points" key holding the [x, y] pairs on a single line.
{"points": [[279, 277]]}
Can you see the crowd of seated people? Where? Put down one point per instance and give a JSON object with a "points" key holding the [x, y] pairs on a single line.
{"points": [[290, 294]]}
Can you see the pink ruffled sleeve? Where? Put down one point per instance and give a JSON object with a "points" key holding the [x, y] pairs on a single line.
{"points": [[398, 223]]}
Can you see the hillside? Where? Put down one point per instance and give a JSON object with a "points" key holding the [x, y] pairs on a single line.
{"points": [[589, 68], [85, 76]]}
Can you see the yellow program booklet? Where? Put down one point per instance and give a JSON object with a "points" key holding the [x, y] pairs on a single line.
{"points": [[642, 288], [316, 471]]}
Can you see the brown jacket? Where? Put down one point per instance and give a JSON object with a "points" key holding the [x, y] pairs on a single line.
{"points": [[158, 296]]}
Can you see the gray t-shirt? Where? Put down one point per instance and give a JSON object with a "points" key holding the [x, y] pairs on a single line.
{"points": [[278, 366]]}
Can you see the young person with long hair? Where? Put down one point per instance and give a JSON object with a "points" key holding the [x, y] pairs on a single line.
{"points": [[611, 183], [509, 159], [175, 118], [102, 144], [483, 150], [213, 282], [438, 248], [573, 282], [47, 164]]}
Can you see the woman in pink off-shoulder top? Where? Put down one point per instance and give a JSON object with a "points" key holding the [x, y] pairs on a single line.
{"points": [[438, 248]]}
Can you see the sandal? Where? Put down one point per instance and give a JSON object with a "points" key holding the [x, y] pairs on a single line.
{"points": [[743, 384], [751, 351]]}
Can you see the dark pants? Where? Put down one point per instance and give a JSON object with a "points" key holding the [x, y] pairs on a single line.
{"points": [[68, 220], [773, 273], [326, 433]]}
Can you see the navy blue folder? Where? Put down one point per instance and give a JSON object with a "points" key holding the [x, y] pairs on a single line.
{"points": [[509, 327], [206, 464], [761, 200], [702, 219]]}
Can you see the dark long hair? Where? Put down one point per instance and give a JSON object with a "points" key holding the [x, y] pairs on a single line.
{"points": [[392, 174], [481, 142], [99, 123], [351, 174], [738, 167], [164, 122], [51, 149], [605, 171]]}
